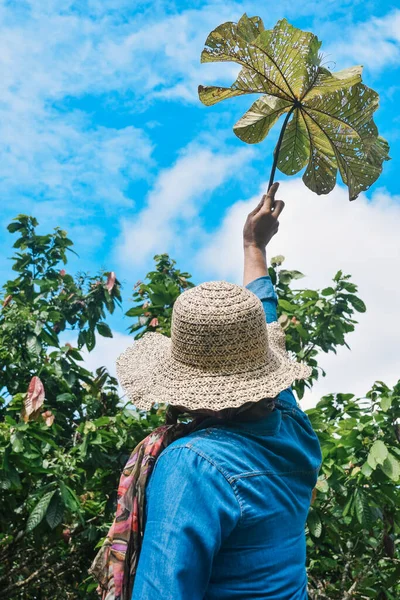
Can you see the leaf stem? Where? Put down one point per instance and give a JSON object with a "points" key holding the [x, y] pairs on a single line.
{"points": [[278, 145]]}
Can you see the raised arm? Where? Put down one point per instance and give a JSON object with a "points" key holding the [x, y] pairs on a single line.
{"points": [[261, 225]]}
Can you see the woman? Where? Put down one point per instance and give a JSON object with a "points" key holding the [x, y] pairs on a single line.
{"points": [[227, 500]]}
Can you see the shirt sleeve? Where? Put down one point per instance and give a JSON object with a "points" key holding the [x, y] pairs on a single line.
{"points": [[264, 289], [191, 509]]}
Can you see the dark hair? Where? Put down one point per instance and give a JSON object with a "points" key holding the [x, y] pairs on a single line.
{"points": [[246, 412]]}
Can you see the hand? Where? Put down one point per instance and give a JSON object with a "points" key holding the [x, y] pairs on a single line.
{"points": [[262, 223]]}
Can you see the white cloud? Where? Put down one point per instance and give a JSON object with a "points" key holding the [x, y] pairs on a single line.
{"points": [[374, 43], [50, 60], [175, 201], [49, 150], [49, 56], [69, 162], [320, 235]]}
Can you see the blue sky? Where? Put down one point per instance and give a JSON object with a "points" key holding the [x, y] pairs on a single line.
{"points": [[102, 133]]}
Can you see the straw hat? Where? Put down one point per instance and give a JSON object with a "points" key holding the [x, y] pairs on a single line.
{"points": [[221, 354]]}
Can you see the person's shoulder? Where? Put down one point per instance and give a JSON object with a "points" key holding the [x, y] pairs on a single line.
{"points": [[223, 449], [188, 446], [195, 458], [197, 447]]}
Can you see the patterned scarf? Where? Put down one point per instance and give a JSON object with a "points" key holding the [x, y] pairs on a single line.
{"points": [[114, 566]]}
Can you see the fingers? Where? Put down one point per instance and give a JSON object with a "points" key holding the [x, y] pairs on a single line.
{"points": [[269, 198], [278, 208], [258, 207]]}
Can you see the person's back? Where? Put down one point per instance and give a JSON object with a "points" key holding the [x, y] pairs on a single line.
{"points": [[222, 514], [240, 494]]}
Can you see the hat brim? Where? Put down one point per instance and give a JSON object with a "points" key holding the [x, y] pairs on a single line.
{"points": [[150, 374]]}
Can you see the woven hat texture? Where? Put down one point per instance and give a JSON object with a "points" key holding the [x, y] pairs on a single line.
{"points": [[221, 354]]}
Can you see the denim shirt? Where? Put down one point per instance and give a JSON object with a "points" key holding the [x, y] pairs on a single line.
{"points": [[227, 506]]}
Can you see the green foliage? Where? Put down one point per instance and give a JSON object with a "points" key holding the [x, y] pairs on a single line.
{"points": [[65, 434], [155, 299], [354, 553], [61, 461], [332, 124], [313, 320]]}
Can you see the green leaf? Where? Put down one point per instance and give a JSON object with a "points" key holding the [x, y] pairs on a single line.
{"points": [[328, 291], [349, 287], [363, 511], [90, 339], [331, 126], [322, 486], [386, 403], [33, 344], [285, 305], [82, 338], [17, 442], [55, 511], [136, 311], [39, 511], [348, 505], [314, 523], [297, 274], [43, 438], [13, 227], [276, 261], [377, 454], [338, 276], [285, 277], [366, 469], [258, 120], [66, 398], [104, 330], [303, 333], [357, 303], [70, 500], [391, 467], [294, 152]]}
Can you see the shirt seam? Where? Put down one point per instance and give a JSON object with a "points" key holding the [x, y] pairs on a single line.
{"points": [[217, 467], [233, 478]]}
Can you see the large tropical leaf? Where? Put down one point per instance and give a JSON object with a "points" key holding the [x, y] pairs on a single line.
{"points": [[328, 125], [39, 511]]}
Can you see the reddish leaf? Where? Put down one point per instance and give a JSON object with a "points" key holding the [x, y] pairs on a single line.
{"points": [[48, 417], [7, 300], [314, 495], [35, 396], [110, 281], [66, 534], [62, 272], [154, 322]]}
